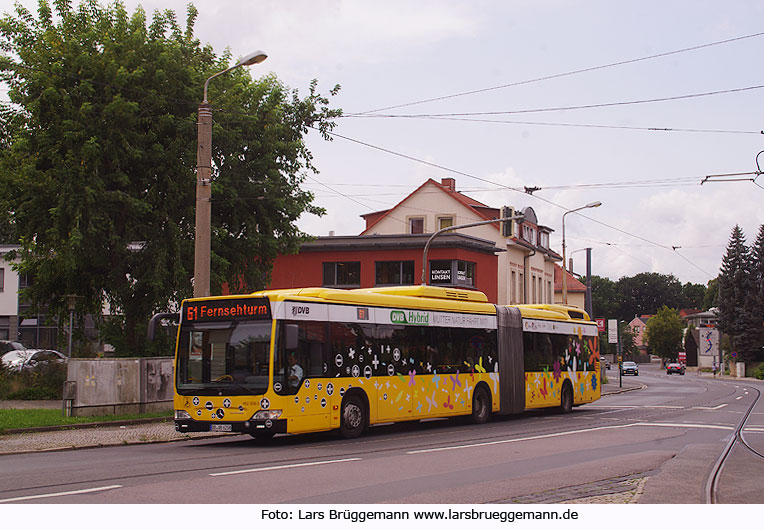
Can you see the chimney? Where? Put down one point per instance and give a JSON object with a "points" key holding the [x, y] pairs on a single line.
{"points": [[449, 183]]}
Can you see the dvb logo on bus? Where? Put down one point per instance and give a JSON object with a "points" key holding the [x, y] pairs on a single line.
{"points": [[420, 318]]}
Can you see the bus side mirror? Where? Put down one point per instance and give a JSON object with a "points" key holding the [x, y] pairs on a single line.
{"points": [[156, 320], [291, 336]]}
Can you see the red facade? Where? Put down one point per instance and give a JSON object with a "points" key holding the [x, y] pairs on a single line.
{"points": [[306, 268]]}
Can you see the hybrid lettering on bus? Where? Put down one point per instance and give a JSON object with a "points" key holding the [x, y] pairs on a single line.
{"points": [[317, 359]]}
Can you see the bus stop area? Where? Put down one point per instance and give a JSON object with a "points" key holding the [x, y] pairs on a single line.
{"points": [[152, 430]]}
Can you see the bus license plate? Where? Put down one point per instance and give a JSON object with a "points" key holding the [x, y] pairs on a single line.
{"points": [[220, 427]]}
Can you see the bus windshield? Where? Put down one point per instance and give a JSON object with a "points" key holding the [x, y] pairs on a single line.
{"points": [[223, 358]]}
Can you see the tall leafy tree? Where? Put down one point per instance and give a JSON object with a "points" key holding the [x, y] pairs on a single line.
{"points": [[692, 296], [645, 293], [711, 296], [605, 300], [664, 333], [102, 172]]}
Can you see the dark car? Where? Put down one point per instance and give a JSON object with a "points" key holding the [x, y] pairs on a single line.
{"points": [[629, 367], [674, 368]]}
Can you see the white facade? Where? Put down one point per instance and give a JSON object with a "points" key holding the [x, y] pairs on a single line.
{"points": [[9, 293]]}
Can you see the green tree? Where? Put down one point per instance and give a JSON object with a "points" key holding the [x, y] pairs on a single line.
{"points": [[605, 300], [711, 297], [664, 333], [102, 172], [692, 296], [737, 316], [645, 293]]}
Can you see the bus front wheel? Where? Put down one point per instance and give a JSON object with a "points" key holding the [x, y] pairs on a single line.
{"points": [[353, 419], [566, 400], [481, 406]]}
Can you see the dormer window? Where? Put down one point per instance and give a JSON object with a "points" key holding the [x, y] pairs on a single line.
{"points": [[544, 239]]}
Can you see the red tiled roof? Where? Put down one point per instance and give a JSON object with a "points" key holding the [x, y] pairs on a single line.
{"points": [[574, 286]]}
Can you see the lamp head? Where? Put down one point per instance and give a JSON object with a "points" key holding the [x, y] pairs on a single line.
{"points": [[594, 204], [255, 57]]}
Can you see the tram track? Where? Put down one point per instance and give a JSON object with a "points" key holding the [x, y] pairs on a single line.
{"points": [[712, 481]]}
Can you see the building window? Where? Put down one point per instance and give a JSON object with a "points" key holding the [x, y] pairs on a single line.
{"points": [[529, 234], [445, 222], [513, 289], [544, 239], [394, 273], [2, 279], [416, 225], [342, 274]]}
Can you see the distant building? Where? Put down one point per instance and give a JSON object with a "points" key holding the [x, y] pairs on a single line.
{"points": [[638, 326], [705, 319]]}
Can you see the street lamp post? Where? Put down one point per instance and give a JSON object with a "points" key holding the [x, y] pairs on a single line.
{"points": [[203, 237], [564, 265]]}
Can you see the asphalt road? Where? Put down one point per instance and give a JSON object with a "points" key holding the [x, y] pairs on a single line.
{"points": [[655, 445]]}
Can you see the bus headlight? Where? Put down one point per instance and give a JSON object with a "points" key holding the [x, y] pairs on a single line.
{"points": [[267, 415], [182, 415]]}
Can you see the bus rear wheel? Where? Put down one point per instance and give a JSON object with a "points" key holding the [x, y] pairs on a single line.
{"points": [[353, 419], [481, 406]]}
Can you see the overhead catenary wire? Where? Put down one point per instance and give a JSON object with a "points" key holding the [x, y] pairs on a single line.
{"points": [[570, 72], [552, 203], [570, 125], [563, 108]]}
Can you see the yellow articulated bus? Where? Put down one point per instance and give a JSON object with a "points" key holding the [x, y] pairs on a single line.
{"points": [[317, 359]]}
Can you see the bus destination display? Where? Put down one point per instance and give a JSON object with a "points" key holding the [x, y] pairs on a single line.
{"points": [[226, 309]]}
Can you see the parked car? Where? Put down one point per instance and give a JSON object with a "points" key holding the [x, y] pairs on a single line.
{"points": [[40, 358], [10, 345], [629, 367], [18, 360], [13, 360], [605, 362], [675, 368]]}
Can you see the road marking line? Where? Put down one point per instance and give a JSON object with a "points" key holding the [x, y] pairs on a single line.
{"points": [[525, 439], [60, 494], [717, 407], [634, 407], [288, 466], [694, 425], [566, 433], [739, 397]]}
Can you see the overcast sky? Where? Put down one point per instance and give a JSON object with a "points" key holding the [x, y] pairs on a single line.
{"points": [[388, 55]]}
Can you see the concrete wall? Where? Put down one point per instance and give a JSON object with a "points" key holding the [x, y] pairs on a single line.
{"points": [[118, 386]]}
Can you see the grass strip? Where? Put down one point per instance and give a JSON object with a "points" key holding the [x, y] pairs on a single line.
{"points": [[27, 418]]}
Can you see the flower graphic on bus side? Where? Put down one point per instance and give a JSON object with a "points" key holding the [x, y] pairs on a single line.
{"points": [[557, 371]]}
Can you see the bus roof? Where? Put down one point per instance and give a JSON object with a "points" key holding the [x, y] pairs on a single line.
{"points": [[424, 297]]}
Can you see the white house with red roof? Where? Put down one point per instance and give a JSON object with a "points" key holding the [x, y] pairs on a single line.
{"points": [[526, 268]]}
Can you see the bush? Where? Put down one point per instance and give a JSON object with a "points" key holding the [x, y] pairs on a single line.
{"points": [[758, 372], [44, 382]]}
